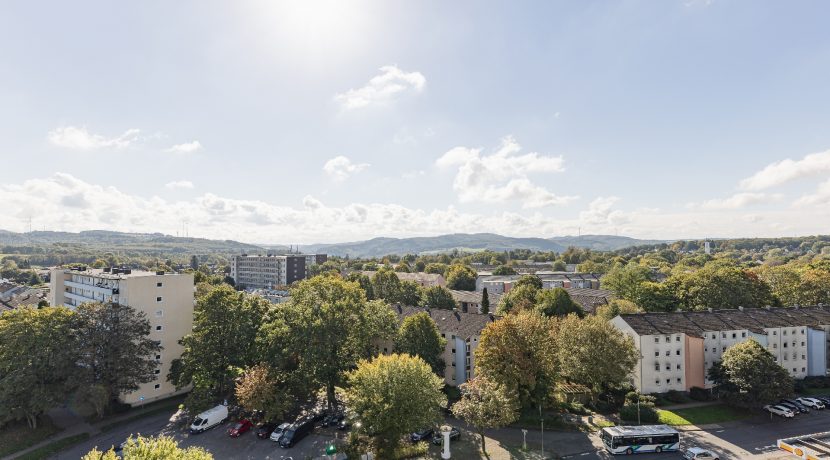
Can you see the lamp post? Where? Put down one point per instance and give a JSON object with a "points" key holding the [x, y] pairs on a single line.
{"points": [[638, 409], [524, 439], [445, 432], [542, 420]]}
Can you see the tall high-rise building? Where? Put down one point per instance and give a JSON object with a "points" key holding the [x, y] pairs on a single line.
{"points": [[165, 298], [269, 271]]}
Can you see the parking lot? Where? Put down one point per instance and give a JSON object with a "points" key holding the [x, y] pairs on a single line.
{"points": [[750, 438]]}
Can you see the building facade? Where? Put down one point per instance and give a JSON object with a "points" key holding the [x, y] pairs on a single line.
{"points": [[270, 271], [677, 349], [165, 298], [462, 331], [500, 284]]}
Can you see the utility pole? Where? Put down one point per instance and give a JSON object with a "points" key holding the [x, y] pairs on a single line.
{"points": [[542, 420]]}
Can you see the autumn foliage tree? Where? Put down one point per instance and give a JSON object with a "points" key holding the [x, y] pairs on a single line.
{"points": [[486, 404]]}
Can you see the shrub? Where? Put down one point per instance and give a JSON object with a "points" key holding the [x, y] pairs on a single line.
{"points": [[700, 394], [647, 413], [675, 396]]}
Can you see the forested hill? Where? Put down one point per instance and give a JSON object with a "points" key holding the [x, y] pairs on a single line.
{"points": [[123, 242], [466, 242]]}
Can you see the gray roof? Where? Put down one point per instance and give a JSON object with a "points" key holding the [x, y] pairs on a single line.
{"points": [[474, 297], [418, 277], [589, 299], [449, 322], [696, 323]]}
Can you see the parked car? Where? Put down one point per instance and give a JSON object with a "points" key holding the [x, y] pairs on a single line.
{"points": [[422, 435], [438, 438], [296, 432], [264, 430], [278, 431], [331, 419], [801, 407], [823, 399], [696, 453], [209, 419], [811, 403], [780, 411], [790, 406], [240, 427]]}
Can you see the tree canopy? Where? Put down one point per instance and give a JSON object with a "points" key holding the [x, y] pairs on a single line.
{"points": [[419, 336], [748, 376], [461, 278], [486, 404]]}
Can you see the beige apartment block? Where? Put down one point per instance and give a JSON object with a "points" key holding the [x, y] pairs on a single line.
{"points": [[165, 298]]}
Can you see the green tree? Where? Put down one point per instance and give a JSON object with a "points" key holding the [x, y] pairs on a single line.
{"points": [[116, 352], [436, 268], [625, 280], [748, 376], [814, 287], [557, 302], [386, 285], [617, 307], [503, 270], [485, 301], [653, 296], [486, 404], [393, 395], [720, 284], [419, 336], [194, 262], [410, 293], [403, 267], [437, 297], [331, 326], [520, 298], [365, 283], [559, 266], [141, 448], [783, 281], [519, 352], [461, 278], [38, 362], [529, 280], [604, 365], [223, 341]]}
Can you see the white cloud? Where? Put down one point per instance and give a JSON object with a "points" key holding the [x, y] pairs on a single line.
{"points": [[600, 212], [737, 201], [179, 184], [788, 170], [502, 176], [415, 174], [340, 168], [63, 202], [382, 88], [79, 138], [821, 197], [187, 147]]}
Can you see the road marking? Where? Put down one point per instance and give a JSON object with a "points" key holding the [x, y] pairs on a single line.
{"points": [[720, 431]]}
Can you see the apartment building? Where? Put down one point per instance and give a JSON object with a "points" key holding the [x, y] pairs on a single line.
{"points": [[165, 298], [677, 349], [271, 270], [500, 284], [462, 332], [420, 278]]}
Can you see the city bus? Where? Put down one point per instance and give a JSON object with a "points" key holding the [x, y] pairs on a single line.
{"points": [[643, 438]]}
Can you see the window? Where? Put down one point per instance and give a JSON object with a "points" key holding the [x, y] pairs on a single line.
{"points": [[158, 328], [453, 350], [384, 350], [668, 381], [657, 340], [157, 386], [785, 344], [723, 335], [774, 345], [668, 352], [794, 370], [677, 338], [802, 344], [706, 349], [678, 367], [668, 367], [803, 369], [774, 332], [784, 332], [724, 349], [785, 357], [158, 299], [678, 380], [743, 334], [158, 357], [159, 284], [656, 353], [157, 371], [803, 356], [668, 339], [734, 335], [802, 331], [657, 367], [159, 313], [713, 336], [657, 382], [677, 353]]}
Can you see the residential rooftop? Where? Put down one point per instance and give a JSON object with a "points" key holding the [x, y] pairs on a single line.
{"points": [[474, 297], [114, 272], [450, 322], [696, 323]]}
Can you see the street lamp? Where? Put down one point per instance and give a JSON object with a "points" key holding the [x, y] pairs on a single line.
{"points": [[542, 420], [524, 439]]}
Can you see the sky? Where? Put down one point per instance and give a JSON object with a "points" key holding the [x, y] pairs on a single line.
{"points": [[329, 121]]}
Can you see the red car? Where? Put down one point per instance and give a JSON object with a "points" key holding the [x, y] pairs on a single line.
{"points": [[240, 427]]}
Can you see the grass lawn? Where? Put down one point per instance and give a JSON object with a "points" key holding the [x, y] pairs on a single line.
{"points": [[814, 391], [17, 436], [55, 447], [701, 415]]}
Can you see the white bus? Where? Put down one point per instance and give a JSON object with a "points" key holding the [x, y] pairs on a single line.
{"points": [[643, 438]]}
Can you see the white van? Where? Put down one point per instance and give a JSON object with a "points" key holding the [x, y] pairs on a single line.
{"points": [[209, 419]]}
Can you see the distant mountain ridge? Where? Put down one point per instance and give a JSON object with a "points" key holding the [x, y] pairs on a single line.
{"points": [[377, 247], [147, 242]]}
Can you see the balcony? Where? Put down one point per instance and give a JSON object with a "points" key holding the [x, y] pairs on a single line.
{"points": [[92, 287]]}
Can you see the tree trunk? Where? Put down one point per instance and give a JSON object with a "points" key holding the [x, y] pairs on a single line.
{"points": [[483, 448], [330, 396]]}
